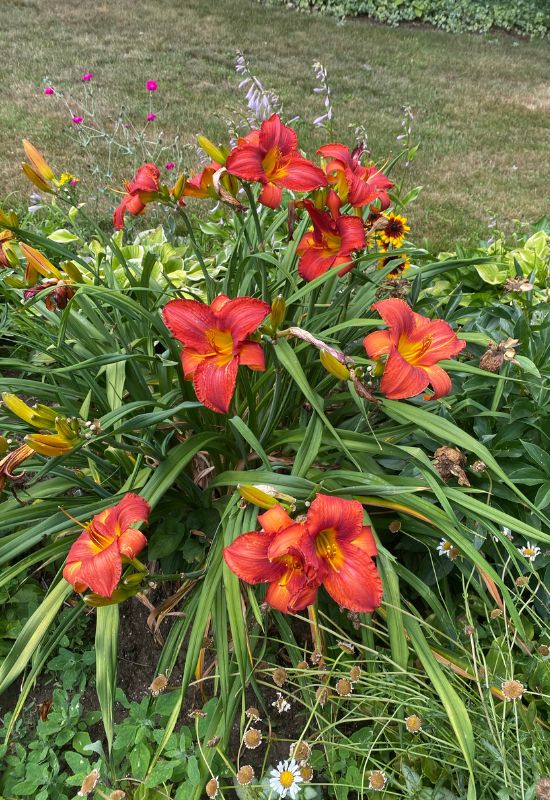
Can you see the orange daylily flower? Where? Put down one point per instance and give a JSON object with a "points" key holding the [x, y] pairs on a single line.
{"points": [[413, 346], [142, 189], [355, 184], [95, 559], [330, 244], [216, 343], [270, 156], [339, 551], [292, 586]]}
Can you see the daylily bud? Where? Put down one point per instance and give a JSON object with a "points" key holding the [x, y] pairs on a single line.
{"points": [[378, 369], [37, 161], [9, 219], [177, 189], [210, 149], [134, 578], [3, 444], [335, 367], [39, 417], [254, 495], [35, 178], [50, 445], [64, 429], [37, 264], [278, 311], [72, 271], [118, 596]]}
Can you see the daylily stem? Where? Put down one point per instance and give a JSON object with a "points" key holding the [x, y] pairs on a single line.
{"points": [[252, 201], [198, 254]]}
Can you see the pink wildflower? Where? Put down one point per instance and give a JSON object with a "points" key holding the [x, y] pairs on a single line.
{"points": [[87, 76], [151, 117], [152, 86], [78, 120], [49, 90], [170, 165]]}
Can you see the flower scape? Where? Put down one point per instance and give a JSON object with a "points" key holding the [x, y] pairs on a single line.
{"points": [[235, 422]]}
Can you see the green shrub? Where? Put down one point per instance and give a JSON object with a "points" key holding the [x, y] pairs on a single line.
{"points": [[528, 17]]}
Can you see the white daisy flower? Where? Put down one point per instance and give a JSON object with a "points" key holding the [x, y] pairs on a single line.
{"points": [[285, 779], [529, 551]]}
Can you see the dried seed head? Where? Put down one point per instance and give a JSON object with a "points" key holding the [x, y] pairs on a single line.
{"points": [[212, 787], [253, 714], [89, 783], [322, 695], [542, 789], [449, 461], [479, 466], [377, 780], [279, 676], [118, 794], [512, 690], [395, 526], [355, 674], [413, 723], [300, 751], [344, 687], [302, 665], [315, 657], [544, 651], [496, 613], [469, 630], [252, 738], [347, 647], [523, 580], [196, 713], [306, 772], [213, 742], [245, 775], [158, 685], [281, 704]]}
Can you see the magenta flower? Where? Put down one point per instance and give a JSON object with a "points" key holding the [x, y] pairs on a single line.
{"points": [[73, 181], [151, 117], [87, 76], [49, 90], [170, 165], [78, 120], [152, 86]]}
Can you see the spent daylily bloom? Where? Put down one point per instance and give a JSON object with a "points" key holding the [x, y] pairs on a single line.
{"points": [[330, 244], [60, 292], [216, 342], [142, 189], [340, 549], [11, 461], [413, 346], [354, 184], [95, 559], [292, 585], [271, 157]]}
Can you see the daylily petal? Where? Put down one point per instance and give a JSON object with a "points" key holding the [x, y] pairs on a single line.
{"points": [[289, 598], [345, 516], [314, 262], [146, 179], [71, 573], [84, 547], [365, 541], [275, 135], [131, 509], [396, 314], [400, 379], [214, 385], [287, 541], [337, 151], [275, 520], [251, 355], [188, 321], [440, 381], [247, 558], [352, 231], [444, 343], [242, 316], [245, 161], [271, 195], [357, 585], [302, 175], [377, 344], [131, 542], [190, 361], [102, 572]]}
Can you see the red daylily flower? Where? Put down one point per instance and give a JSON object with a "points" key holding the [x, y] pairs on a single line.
{"points": [[330, 244], [355, 184], [139, 191], [292, 583], [270, 156], [413, 344], [202, 184], [95, 559], [216, 343], [340, 549]]}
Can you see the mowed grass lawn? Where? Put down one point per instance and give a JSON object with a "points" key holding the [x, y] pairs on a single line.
{"points": [[481, 103]]}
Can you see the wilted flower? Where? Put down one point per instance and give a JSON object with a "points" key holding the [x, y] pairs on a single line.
{"points": [[118, 794], [512, 690], [158, 685], [212, 787], [245, 775], [252, 738], [530, 551], [285, 779], [281, 704], [495, 613], [253, 714], [544, 650], [280, 676], [89, 783], [449, 461], [355, 674], [11, 461], [542, 789], [344, 687], [446, 548], [306, 772], [322, 695], [413, 723], [377, 780], [518, 285], [300, 751]]}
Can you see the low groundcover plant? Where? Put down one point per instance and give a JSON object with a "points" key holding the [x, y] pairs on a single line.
{"points": [[315, 371]]}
